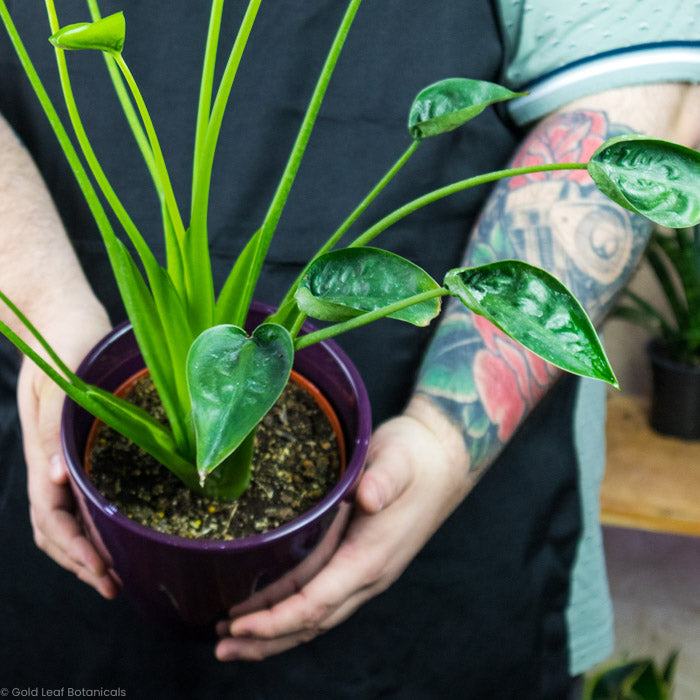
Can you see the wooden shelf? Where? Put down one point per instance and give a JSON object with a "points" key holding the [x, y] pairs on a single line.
{"points": [[652, 482]]}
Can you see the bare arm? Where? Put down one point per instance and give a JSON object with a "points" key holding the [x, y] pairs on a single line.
{"points": [[42, 275], [424, 463], [39, 265]]}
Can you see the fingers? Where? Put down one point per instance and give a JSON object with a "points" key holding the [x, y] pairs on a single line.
{"points": [[58, 533], [52, 510], [397, 514], [325, 602], [384, 480]]}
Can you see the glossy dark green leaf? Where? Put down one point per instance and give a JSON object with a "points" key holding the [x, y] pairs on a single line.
{"points": [[651, 177], [234, 380], [106, 34], [450, 103], [345, 283], [534, 308]]}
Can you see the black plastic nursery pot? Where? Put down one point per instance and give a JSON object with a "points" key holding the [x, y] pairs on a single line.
{"points": [[190, 583], [675, 403]]}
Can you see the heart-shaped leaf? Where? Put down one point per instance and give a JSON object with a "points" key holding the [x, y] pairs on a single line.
{"points": [[450, 103], [106, 34], [345, 283], [651, 177], [234, 380], [537, 310]]}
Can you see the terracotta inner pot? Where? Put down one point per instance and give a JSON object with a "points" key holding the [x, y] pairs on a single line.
{"points": [[321, 401]]}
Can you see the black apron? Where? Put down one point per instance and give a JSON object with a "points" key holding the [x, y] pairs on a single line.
{"points": [[480, 612]]}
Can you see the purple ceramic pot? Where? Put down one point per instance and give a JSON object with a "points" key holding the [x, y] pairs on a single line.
{"points": [[178, 580]]}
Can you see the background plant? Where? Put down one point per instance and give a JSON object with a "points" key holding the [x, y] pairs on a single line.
{"points": [[215, 380], [636, 679], [674, 258]]}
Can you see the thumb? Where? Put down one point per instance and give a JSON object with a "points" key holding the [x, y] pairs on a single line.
{"points": [[390, 467], [51, 401], [41, 403]]}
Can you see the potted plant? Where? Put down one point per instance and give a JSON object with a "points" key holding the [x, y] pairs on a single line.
{"points": [[219, 363], [634, 679], [674, 351]]}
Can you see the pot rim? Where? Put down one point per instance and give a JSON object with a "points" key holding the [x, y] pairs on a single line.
{"points": [[295, 377], [342, 491]]}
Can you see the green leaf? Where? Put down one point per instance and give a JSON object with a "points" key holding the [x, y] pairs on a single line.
{"points": [[127, 419], [151, 338], [450, 103], [534, 308], [106, 34], [669, 669], [651, 177], [642, 314], [617, 682], [345, 283], [655, 257], [234, 380]]}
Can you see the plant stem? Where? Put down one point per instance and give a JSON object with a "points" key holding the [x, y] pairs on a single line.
{"points": [[168, 331], [59, 130], [127, 106], [356, 213], [205, 88], [61, 366], [338, 328], [280, 198], [206, 138], [209, 127], [368, 199], [101, 179], [455, 187], [161, 169]]}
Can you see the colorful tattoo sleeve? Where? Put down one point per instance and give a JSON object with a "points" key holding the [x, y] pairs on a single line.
{"points": [[482, 380]]}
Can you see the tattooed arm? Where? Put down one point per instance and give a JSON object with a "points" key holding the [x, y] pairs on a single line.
{"points": [[480, 379], [484, 381], [475, 386]]}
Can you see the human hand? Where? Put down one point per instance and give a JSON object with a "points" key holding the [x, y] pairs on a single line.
{"points": [[56, 529], [417, 474]]}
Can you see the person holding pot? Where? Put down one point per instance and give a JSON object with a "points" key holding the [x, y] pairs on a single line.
{"points": [[442, 586]]}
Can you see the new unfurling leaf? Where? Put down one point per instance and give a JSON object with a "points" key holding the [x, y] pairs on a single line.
{"points": [[105, 34]]}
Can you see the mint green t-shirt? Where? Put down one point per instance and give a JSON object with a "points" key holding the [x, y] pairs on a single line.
{"points": [[561, 51]]}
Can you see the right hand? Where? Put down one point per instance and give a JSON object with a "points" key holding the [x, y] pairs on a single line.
{"points": [[53, 514]]}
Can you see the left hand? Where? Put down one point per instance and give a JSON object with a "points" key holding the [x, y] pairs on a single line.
{"points": [[56, 528], [417, 474]]}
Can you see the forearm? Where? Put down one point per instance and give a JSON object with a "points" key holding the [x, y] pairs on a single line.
{"points": [[476, 380], [40, 271]]}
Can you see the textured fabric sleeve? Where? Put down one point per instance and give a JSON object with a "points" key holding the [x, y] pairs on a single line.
{"points": [[589, 614], [563, 51]]}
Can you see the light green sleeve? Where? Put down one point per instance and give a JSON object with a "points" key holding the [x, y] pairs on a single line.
{"points": [[561, 51]]}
